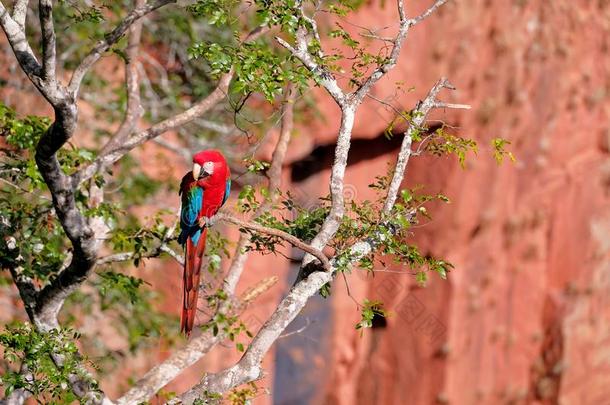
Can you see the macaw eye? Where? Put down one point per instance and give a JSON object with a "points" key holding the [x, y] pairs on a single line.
{"points": [[208, 167]]}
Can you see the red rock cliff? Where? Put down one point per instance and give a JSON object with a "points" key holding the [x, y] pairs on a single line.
{"points": [[524, 316]]}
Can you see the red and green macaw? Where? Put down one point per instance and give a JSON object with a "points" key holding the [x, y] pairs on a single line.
{"points": [[204, 190]]}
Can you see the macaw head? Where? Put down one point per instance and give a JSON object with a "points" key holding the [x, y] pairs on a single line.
{"points": [[210, 165]]}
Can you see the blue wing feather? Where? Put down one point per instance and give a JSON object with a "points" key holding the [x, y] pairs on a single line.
{"points": [[227, 192], [192, 201]]}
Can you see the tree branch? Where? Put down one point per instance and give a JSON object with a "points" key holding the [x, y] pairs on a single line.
{"points": [[27, 290], [405, 25], [429, 11], [325, 78], [109, 40], [418, 118], [293, 240], [20, 10], [197, 110], [45, 10], [134, 107], [160, 375], [15, 33], [161, 248]]}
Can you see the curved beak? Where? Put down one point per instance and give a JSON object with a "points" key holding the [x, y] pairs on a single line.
{"points": [[196, 171]]}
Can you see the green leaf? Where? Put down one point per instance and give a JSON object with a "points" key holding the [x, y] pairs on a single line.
{"points": [[422, 278]]}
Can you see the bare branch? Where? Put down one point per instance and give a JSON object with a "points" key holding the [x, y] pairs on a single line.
{"points": [[429, 11], [399, 170], [160, 375], [279, 153], [405, 25], [418, 118], [134, 107], [308, 323], [109, 40], [332, 221], [27, 290], [324, 77], [125, 256], [165, 248], [20, 10], [440, 104], [45, 10], [215, 126], [21, 48]]}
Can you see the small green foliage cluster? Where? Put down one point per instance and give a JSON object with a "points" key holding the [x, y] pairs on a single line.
{"points": [[21, 133], [279, 13], [445, 143], [32, 239], [142, 241], [442, 142], [247, 200], [363, 61], [258, 67], [438, 142], [225, 320], [216, 247], [77, 13], [286, 215], [389, 234], [243, 395], [216, 12], [116, 288], [22, 136], [499, 150], [238, 396], [27, 349], [254, 165], [343, 7], [369, 310]]}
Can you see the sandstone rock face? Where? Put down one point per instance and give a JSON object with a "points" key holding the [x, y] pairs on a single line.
{"points": [[524, 316]]}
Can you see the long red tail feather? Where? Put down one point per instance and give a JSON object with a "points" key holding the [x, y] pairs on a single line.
{"points": [[190, 283]]}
